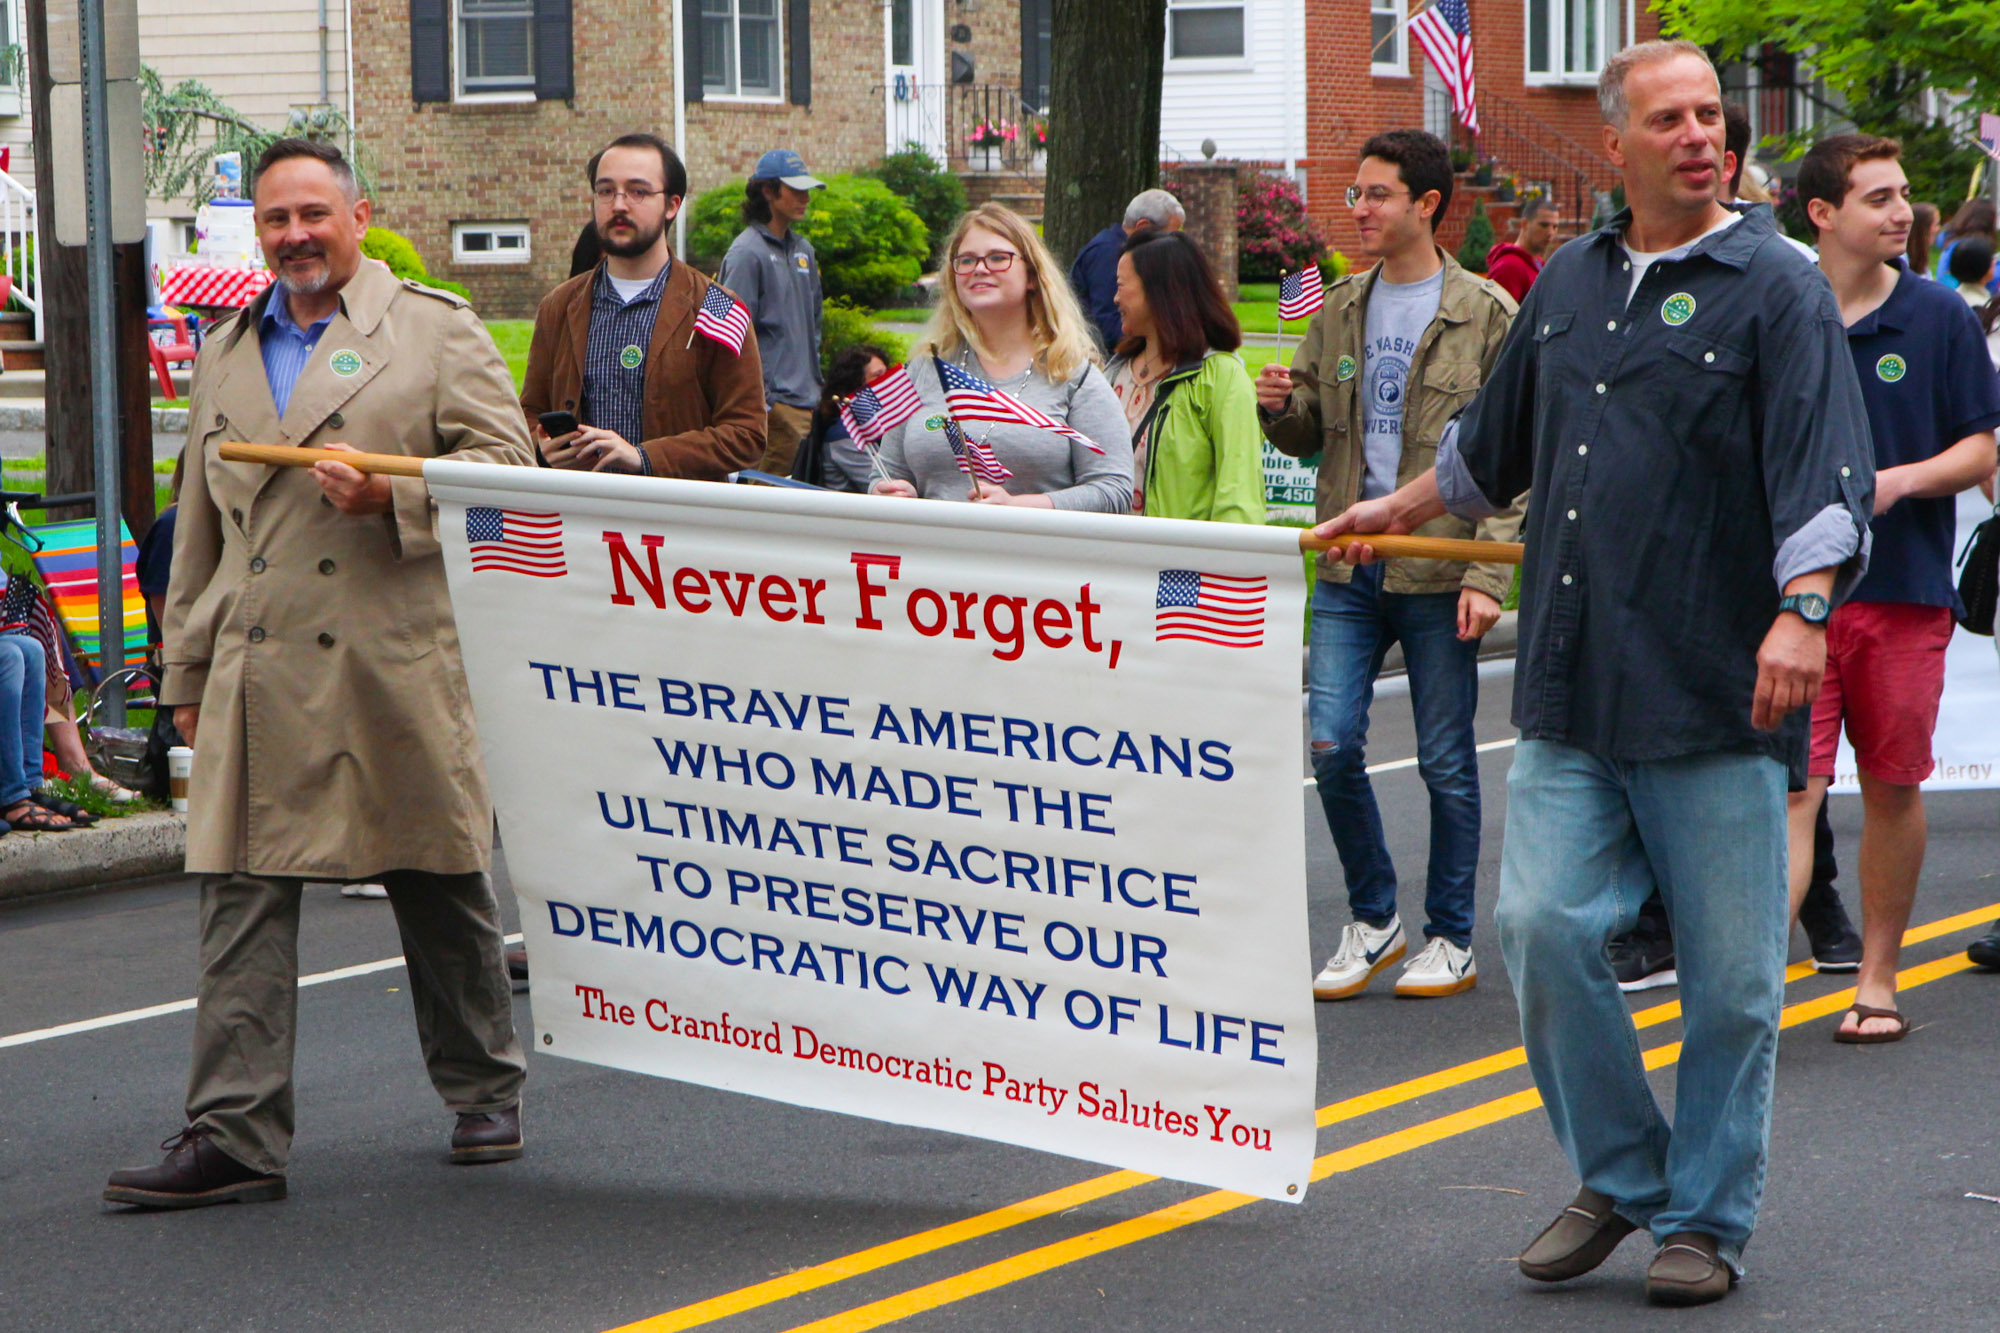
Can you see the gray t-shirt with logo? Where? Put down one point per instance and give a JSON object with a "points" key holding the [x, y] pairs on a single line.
{"points": [[1398, 314]]}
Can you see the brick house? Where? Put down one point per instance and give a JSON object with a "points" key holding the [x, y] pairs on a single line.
{"points": [[481, 114], [1238, 72]]}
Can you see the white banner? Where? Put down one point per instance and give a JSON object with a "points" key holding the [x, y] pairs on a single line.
{"points": [[946, 815], [1966, 744]]}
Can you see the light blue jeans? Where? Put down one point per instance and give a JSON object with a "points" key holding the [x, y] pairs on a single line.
{"points": [[1587, 841], [23, 696]]}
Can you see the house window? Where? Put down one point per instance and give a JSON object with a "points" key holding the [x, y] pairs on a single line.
{"points": [[1569, 40], [740, 55], [1386, 21], [1203, 30], [489, 243], [496, 46]]}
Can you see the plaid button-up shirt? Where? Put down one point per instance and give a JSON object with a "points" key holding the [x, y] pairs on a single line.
{"points": [[614, 358]]}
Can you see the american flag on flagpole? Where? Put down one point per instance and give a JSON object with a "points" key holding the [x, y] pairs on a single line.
{"points": [[1301, 294], [515, 541], [975, 457], [882, 405], [1220, 609], [970, 398], [1444, 31], [723, 318]]}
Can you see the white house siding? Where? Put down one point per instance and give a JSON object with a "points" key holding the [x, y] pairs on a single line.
{"points": [[1254, 108], [262, 57]]}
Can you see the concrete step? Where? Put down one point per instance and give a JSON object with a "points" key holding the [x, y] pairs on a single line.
{"points": [[21, 353], [19, 382]]}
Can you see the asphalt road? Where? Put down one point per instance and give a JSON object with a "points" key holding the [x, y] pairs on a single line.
{"points": [[641, 1197]]}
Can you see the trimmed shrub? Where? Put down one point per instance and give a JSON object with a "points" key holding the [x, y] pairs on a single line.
{"points": [[933, 194], [395, 250], [843, 324], [1478, 239], [1273, 233], [870, 244]]}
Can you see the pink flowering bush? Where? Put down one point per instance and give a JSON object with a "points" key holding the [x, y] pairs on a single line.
{"points": [[1273, 233]]}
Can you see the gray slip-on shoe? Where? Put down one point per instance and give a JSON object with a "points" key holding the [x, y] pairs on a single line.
{"points": [[1577, 1241], [1688, 1270]]}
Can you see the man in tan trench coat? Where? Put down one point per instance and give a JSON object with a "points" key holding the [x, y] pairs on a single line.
{"points": [[312, 662]]}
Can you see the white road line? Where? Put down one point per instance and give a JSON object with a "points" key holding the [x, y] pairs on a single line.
{"points": [[183, 1006], [1394, 764]]}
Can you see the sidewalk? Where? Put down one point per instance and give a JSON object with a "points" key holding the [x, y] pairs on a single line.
{"points": [[129, 847], [31, 414]]}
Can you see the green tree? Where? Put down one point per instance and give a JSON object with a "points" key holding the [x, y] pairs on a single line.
{"points": [[188, 124], [1878, 56], [1106, 60], [936, 196]]}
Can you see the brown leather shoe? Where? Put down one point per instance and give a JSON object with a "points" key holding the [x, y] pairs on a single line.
{"points": [[195, 1174], [486, 1136], [1688, 1270], [1579, 1240]]}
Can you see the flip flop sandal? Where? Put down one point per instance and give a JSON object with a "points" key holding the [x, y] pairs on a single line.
{"points": [[27, 817], [70, 810], [1863, 1012]]}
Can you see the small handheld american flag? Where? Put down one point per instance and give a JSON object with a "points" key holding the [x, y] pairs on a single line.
{"points": [[1301, 294], [970, 398], [882, 405], [723, 318], [975, 457]]}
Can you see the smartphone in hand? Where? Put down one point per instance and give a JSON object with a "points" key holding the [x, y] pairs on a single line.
{"points": [[555, 425]]}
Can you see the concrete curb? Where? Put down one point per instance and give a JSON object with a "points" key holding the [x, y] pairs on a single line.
{"points": [[32, 414], [130, 847]]}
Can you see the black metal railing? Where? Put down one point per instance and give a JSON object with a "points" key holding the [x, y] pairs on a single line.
{"points": [[977, 126], [1538, 158]]}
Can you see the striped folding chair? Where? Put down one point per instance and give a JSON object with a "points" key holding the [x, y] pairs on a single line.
{"points": [[65, 556]]}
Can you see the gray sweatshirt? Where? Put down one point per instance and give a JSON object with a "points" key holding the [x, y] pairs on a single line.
{"points": [[778, 282], [1043, 463]]}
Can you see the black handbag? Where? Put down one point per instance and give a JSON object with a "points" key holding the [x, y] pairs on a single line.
{"points": [[1979, 575]]}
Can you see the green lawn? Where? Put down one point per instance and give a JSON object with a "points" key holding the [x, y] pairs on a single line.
{"points": [[905, 315], [511, 337]]}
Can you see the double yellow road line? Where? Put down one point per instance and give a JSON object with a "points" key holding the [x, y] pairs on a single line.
{"points": [[1042, 1259]]}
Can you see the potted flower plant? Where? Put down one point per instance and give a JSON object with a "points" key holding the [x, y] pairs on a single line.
{"points": [[987, 140], [1041, 142]]}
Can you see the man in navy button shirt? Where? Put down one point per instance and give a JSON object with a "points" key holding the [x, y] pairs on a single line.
{"points": [[1933, 402], [1677, 393]]}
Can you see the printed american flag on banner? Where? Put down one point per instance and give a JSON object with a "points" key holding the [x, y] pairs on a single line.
{"points": [[882, 405], [1301, 294], [515, 541], [975, 457], [1444, 31], [972, 399], [1989, 134], [1220, 609], [723, 318]]}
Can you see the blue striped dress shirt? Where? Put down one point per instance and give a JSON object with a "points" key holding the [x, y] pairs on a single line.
{"points": [[286, 347]]}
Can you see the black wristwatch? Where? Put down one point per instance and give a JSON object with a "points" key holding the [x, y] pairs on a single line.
{"points": [[1807, 606]]}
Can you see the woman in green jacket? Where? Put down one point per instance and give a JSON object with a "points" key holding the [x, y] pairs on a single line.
{"points": [[1197, 451]]}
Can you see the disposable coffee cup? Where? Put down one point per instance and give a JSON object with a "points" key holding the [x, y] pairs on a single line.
{"points": [[180, 767]]}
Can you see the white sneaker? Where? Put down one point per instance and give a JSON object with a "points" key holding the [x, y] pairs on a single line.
{"points": [[1364, 951], [1441, 969], [363, 891]]}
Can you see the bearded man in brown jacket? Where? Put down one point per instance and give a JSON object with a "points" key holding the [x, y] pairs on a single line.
{"points": [[312, 662]]}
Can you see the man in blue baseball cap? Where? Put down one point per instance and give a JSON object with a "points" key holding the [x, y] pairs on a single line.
{"points": [[774, 272]]}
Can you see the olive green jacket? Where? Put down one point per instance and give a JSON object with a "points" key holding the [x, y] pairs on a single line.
{"points": [[1452, 360]]}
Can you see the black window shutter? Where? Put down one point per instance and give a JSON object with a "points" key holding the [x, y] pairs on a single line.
{"points": [[555, 74], [800, 38], [430, 50], [1035, 23], [691, 49]]}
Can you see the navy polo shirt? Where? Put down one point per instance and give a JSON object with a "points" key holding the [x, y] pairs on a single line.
{"points": [[1928, 382]]}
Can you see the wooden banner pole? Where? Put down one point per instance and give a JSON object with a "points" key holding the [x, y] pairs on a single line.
{"points": [[401, 465]]}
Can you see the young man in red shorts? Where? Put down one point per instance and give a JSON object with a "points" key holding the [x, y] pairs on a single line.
{"points": [[1933, 402]]}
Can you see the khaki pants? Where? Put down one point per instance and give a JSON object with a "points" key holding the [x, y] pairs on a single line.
{"points": [[785, 429], [246, 1011]]}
